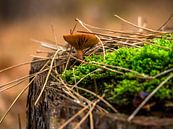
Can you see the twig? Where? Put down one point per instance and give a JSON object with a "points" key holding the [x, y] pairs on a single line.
{"points": [[9, 87], [144, 28], [18, 96], [15, 100], [19, 121], [164, 72], [74, 76], [16, 80], [53, 32], [166, 22], [88, 91], [73, 117], [49, 45], [70, 92], [47, 77], [75, 86], [104, 53], [112, 70], [86, 115], [68, 59], [76, 96], [166, 48], [73, 94], [41, 51], [96, 95], [72, 31], [24, 77], [97, 70], [122, 68], [92, 106], [112, 31], [41, 57], [111, 36], [81, 23], [91, 120], [62, 94], [148, 97], [123, 43], [21, 64]]}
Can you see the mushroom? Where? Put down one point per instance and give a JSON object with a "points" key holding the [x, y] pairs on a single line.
{"points": [[81, 42]]}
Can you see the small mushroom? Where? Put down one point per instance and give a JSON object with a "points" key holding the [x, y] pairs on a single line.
{"points": [[81, 42]]}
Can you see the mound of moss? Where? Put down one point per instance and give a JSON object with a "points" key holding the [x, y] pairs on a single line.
{"points": [[127, 72]]}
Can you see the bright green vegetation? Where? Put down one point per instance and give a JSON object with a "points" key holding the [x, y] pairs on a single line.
{"points": [[121, 88]]}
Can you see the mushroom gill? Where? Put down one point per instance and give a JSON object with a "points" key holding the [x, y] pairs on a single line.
{"points": [[81, 42]]}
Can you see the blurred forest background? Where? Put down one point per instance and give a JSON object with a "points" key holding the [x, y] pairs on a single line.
{"points": [[23, 20]]}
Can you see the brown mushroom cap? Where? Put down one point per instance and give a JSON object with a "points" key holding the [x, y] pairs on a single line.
{"points": [[81, 41]]}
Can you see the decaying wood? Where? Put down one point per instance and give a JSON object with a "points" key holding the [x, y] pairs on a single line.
{"points": [[53, 110]]}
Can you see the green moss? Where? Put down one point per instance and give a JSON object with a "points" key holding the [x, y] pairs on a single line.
{"points": [[120, 89]]}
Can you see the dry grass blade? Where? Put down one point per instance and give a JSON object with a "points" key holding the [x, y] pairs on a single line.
{"points": [[166, 22], [23, 78], [75, 95], [45, 44], [159, 46], [126, 69], [74, 116], [71, 92], [74, 28], [122, 43], [148, 97], [50, 45], [164, 72], [113, 31], [113, 37], [19, 95], [92, 106], [62, 95], [67, 90], [81, 23], [41, 57], [74, 77], [41, 52], [68, 59], [75, 86], [21, 64], [86, 76], [15, 100], [13, 85], [69, 54], [144, 28], [47, 77], [91, 120], [16, 80], [109, 69], [54, 34], [92, 93], [99, 97], [22, 91], [19, 121]]}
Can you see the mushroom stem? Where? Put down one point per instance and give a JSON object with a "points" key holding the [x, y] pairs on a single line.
{"points": [[79, 54]]}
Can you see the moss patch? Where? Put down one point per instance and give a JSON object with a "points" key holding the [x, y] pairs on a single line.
{"points": [[128, 72]]}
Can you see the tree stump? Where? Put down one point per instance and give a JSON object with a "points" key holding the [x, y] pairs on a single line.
{"points": [[52, 110]]}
